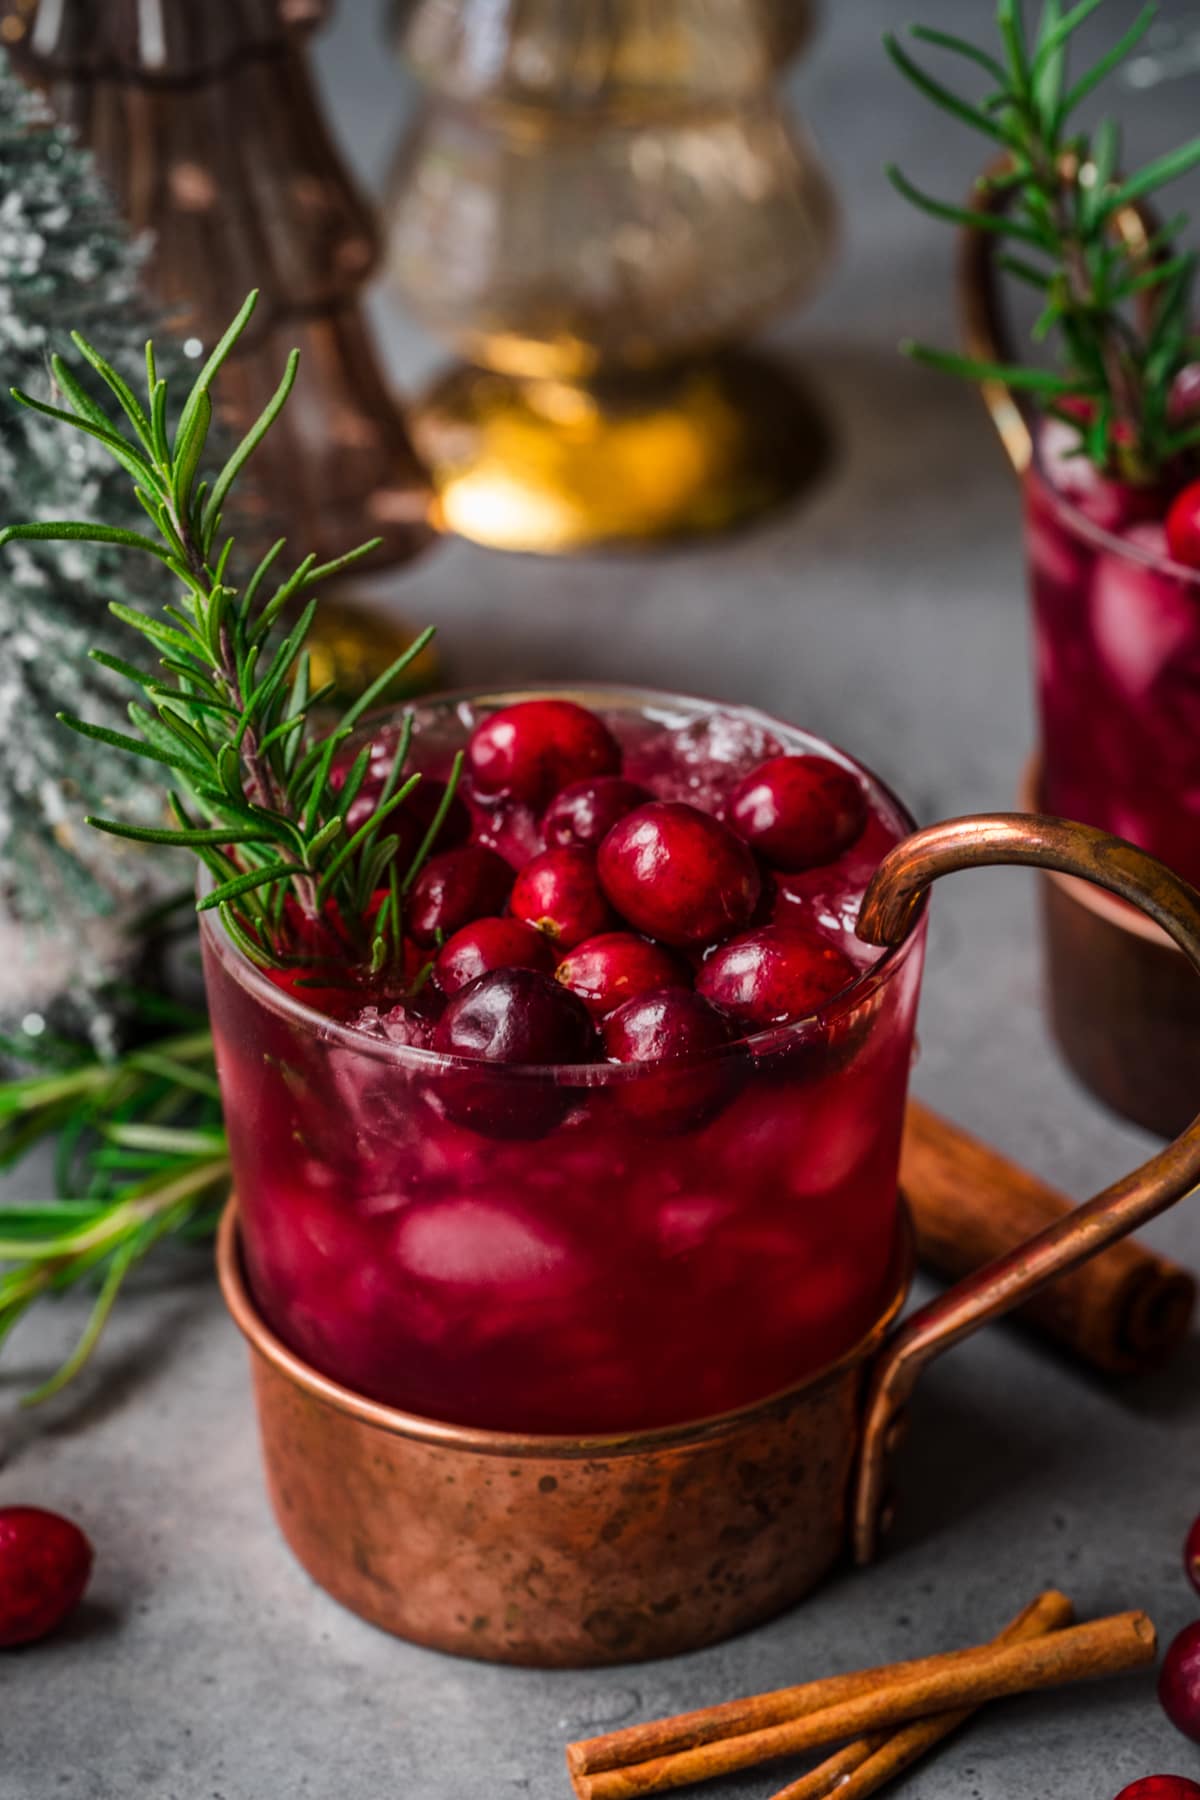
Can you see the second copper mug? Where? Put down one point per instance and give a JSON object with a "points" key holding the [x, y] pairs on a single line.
{"points": [[575, 1551]]}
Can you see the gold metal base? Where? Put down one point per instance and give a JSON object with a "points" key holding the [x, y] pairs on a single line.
{"points": [[351, 644], [551, 466]]}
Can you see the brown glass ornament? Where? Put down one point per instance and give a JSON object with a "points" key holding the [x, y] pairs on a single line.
{"points": [[205, 120]]}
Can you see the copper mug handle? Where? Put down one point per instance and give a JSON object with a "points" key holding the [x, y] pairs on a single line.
{"points": [[889, 910], [985, 324]]}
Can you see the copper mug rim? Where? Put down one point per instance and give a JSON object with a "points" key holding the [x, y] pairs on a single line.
{"points": [[292, 1007], [482, 1441]]}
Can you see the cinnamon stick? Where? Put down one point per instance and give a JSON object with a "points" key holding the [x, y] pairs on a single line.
{"points": [[967, 1679], [1125, 1311], [864, 1767], [732, 1718]]}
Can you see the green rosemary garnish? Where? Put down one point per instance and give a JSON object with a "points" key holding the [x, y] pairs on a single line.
{"points": [[1120, 320], [140, 1155], [229, 710]]}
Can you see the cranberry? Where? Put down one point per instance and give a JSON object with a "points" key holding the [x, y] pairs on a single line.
{"points": [[412, 819], [584, 813], [45, 1562], [671, 1026], [536, 747], [516, 1016], [489, 944], [454, 888], [606, 971], [313, 986], [773, 976], [1161, 1787], [678, 874], [1183, 402], [512, 1016], [799, 811], [1191, 1555], [558, 893], [1179, 1682], [1183, 527]]}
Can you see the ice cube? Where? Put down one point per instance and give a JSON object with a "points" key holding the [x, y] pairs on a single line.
{"points": [[398, 1024], [1072, 473], [1141, 617], [487, 1246], [691, 1221], [699, 762]]}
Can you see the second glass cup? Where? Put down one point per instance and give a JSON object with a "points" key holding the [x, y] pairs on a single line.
{"points": [[1117, 645]]}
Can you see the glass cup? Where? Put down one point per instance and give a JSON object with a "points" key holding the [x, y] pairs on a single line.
{"points": [[573, 1249], [1117, 649]]}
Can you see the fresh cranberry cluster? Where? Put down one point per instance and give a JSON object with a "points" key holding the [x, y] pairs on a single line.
{"points": [[616, 924], [1178, 1692], [1179, 1678]]}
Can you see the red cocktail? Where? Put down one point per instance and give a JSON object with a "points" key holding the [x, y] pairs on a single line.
{"points": [[1117, 640], [628, 1155]]}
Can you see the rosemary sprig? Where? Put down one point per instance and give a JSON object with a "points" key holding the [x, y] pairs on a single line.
{"points": [[229, 707], [140, 1155], [1120, 320]]}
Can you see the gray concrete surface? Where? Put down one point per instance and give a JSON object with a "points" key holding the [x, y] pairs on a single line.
{"points": [[888, 612]]}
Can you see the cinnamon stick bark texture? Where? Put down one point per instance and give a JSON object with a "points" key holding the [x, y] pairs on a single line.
{"points": [[1124, 1312], [733, 1718], [864, 1767], [1082, 1652]]}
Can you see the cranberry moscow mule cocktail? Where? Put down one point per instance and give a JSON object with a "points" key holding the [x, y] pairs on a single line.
{"points": [[1115, 580], [627, 1154]]}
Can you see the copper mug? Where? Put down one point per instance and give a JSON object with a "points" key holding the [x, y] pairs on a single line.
{"points": [[565, 1551], [1115, 696]]}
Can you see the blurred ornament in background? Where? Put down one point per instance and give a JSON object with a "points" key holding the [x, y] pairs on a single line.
{"points": [[595, 202], [205, 120], [1169, 51]]}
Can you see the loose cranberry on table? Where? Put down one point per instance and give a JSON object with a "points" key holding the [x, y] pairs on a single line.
{"points": [[45, 1562], [606, 971], [559, 894], [799, 811], [678, 874], [536, 747], [773, 976], [455, 888], [584, 813], [1161, 1787], [1183, 526], [489, 944], [1179, 1682], [672, 1026]]}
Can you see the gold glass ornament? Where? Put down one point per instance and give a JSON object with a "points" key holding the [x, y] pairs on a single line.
{"points": [[594, 203]]}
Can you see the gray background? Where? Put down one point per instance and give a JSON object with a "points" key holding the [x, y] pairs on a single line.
{"points": [[888, 612]]}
